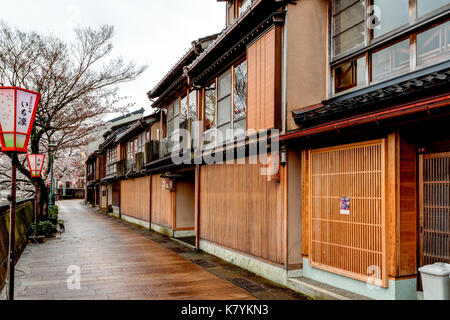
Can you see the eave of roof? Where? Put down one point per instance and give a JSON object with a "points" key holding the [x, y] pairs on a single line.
{"points": [[234, 38], [135, 129], [178, 69], [402, 87]]}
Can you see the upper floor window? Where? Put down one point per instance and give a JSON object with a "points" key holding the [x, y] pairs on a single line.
{"points": [[226, 102], [390, 15], [210, 106], [235, 8], [426, 6], [243, 5], [173, 117], [184, 108], [141, 142], [348, 25], [240, 98], [193, 104], [371, 60]]}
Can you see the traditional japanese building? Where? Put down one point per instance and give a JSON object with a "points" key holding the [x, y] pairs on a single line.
{"points": [[375, 162], [317, 152]]}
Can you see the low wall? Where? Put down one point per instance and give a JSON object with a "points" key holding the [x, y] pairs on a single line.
{"points": [[24, 219]]}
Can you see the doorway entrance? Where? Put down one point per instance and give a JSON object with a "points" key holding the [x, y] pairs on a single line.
{"points": [[434, 206]]}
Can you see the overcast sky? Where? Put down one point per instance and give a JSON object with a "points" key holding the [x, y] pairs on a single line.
{"points": [[152, 32]]}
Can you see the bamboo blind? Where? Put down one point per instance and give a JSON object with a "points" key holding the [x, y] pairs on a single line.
{"points": [[435, 209], [349, 244]]}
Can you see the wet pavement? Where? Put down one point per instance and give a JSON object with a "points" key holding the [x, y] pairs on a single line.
{"points": [[99, 257]]}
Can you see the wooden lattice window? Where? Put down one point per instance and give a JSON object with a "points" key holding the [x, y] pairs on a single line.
{"points": [[434, 208], [347, 220]]}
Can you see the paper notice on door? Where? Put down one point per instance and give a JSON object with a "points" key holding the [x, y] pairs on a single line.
{"points": [[345, 205]]}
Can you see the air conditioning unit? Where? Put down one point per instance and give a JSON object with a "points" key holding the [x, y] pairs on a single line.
{"points": [[139, 161]]}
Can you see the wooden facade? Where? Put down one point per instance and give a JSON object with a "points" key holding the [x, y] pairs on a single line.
{"points": [[135, 198], [264, 81], [162, 203], [243, 211]]}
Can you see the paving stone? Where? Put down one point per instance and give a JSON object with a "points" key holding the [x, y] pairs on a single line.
{"points": [[120, 261]]}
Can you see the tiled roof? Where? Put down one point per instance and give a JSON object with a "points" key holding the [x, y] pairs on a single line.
{"points": [[376, 95]]}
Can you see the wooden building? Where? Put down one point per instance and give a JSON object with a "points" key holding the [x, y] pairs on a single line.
{"points": [[351, 98]]}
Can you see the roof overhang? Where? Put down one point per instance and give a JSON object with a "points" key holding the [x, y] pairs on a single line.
{"points": [[416, 85], [234, 39], [178, 70]]}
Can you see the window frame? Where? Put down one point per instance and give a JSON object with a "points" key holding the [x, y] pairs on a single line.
{"points": [[232, 120], [415, 26]]}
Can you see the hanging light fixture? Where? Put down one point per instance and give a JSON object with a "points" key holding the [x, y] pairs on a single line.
{"points": [[17, 111], [35, 164]]}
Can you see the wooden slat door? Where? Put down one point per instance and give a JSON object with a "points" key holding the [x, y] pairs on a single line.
{"points": [[434, 204], [352, 244]]}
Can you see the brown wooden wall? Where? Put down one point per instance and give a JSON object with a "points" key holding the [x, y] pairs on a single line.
{"points": [[408, 209], [264, 80], [241, 210], [135, 198], [162, 213], [402, 207]]}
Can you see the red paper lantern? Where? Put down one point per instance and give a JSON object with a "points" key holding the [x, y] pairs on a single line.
{"points": [[36, 163], [17, 111]]}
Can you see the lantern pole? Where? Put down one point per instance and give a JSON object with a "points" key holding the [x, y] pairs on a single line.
{"points": [[35, 207], [12, 231], [50, 204]]}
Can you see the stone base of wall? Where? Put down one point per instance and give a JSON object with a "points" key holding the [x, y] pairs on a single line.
{"points": [[135, 221], [404, 289]]}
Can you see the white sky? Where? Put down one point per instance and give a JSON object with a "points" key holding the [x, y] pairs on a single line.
{"points": [[152, 32]]}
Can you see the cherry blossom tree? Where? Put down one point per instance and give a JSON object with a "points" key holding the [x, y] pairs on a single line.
{"points": [[78, 86]]}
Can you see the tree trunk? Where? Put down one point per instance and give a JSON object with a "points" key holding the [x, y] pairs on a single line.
{"points": [[43, 200]]}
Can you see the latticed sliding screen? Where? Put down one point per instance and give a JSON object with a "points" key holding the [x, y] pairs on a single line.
{"points": [[347, 211], [435, 208]]}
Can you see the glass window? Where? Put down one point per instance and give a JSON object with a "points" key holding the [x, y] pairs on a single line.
{"points": [[340, 5], [240, 91], [210, 106], [224, 85], [184, 109], [348, 25], [391, 15], [176, 107], [391, 61], [193, 104], [224, 110], [173, 118], [433, 45], [427, 6], [350, 75], [224, 103], [244, 5], [170, 112]]}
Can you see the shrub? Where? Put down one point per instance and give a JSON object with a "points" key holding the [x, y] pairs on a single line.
{"points": [[53, 215], [46, 228]]}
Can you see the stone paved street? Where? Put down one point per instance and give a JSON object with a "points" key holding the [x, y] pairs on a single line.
{"points": [[119, 261]]}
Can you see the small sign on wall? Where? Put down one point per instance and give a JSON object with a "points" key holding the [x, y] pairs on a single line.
{"points": [[345, 205], [167, 184]]}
